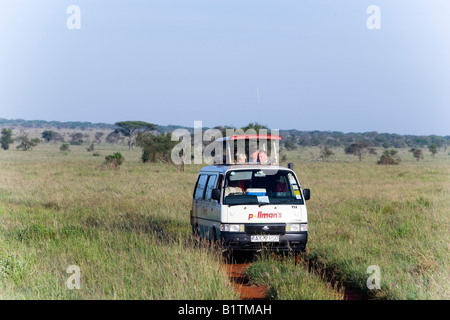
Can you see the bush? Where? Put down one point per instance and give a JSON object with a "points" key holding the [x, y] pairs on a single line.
{"points": [[114, 161], [91, 148], [64, 147], [388, 158]]}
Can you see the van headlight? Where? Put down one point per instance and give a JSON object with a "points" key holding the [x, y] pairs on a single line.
{"points": [[232, 227], [296, 227]]}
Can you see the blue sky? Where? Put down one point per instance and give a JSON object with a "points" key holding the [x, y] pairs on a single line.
{"points": [[306, 65]]}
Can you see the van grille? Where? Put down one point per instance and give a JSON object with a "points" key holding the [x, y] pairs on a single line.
{"points": [[268, 228]]}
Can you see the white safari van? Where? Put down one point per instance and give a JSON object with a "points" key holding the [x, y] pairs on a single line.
{"points": [[247, 206]]}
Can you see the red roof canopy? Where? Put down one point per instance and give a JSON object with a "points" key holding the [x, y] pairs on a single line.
{"points": [[251, 136]]}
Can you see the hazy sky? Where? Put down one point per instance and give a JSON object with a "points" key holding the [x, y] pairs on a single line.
{"points": [[306, 65]]}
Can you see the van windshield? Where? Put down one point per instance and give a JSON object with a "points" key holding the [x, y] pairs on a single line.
{"points": [[261, 186]]}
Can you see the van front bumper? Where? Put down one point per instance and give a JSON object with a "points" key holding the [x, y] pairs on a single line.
{"points": [[241, 241]]}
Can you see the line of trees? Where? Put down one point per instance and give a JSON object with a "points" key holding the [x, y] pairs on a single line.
{"points": [[81, 125], [156, 142], [295, 138], [291, 139]]}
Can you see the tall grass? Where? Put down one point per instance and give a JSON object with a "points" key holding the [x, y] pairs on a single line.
{"points": [[396, 217], [362, 214], [128, 230]]}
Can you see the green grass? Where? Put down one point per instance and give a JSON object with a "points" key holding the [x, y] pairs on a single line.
{"points": [[128, 230]]}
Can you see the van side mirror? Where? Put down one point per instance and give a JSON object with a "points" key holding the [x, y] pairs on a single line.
{"points": [[215, 195], [306, 194]]}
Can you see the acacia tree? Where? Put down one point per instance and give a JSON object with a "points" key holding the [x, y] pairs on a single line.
{"points": [[417, 153], [50, 135], [113, 137], [6, 138], [360, 149], [98, 137], [131, 129], [25, 143], [325, 152], [433, 149], [156, 147], [77, 138], [255, 126]]}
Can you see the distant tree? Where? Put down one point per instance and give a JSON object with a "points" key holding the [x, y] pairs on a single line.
{"points": [[359, 148], [25, 143], [131, 129], [113, 137], [433, 149], [325, 152], [290, 143], [388, 158], [98, 137], [417, 153], [223, 129], [155, 147], [77, 139], [6, 138], [50, 135], [255, 126]]}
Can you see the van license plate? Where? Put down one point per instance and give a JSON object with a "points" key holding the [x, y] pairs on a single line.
{"points": [[265, 238]]}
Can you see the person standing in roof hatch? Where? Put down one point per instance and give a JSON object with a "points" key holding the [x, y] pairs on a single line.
{"points": [[242, 158], [253, 156], [262, 157]]}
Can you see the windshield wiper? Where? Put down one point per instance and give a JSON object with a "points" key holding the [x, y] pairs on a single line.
{"points": [[264, 204], [283, 201], [241, 204]]}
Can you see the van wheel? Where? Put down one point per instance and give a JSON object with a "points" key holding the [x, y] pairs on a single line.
{"points": [[196, 235], [195, 230], [213, 239]]}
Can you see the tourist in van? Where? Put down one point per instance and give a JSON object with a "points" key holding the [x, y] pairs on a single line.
{"points": [[242, 158], [233, 188], [262, 157], [253, 156]]}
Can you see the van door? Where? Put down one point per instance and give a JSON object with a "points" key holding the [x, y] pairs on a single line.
{"points": [[197, 205], [211, 206]]}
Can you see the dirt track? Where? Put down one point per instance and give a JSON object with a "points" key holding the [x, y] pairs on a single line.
{"points": [[235, 269], [236, 272]]}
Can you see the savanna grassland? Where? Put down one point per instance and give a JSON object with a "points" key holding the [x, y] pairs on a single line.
{"points": [[128, 230]]}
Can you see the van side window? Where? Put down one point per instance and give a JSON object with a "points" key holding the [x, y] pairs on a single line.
{"points": [[211, 185], [219, 181], [201, 183]]}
